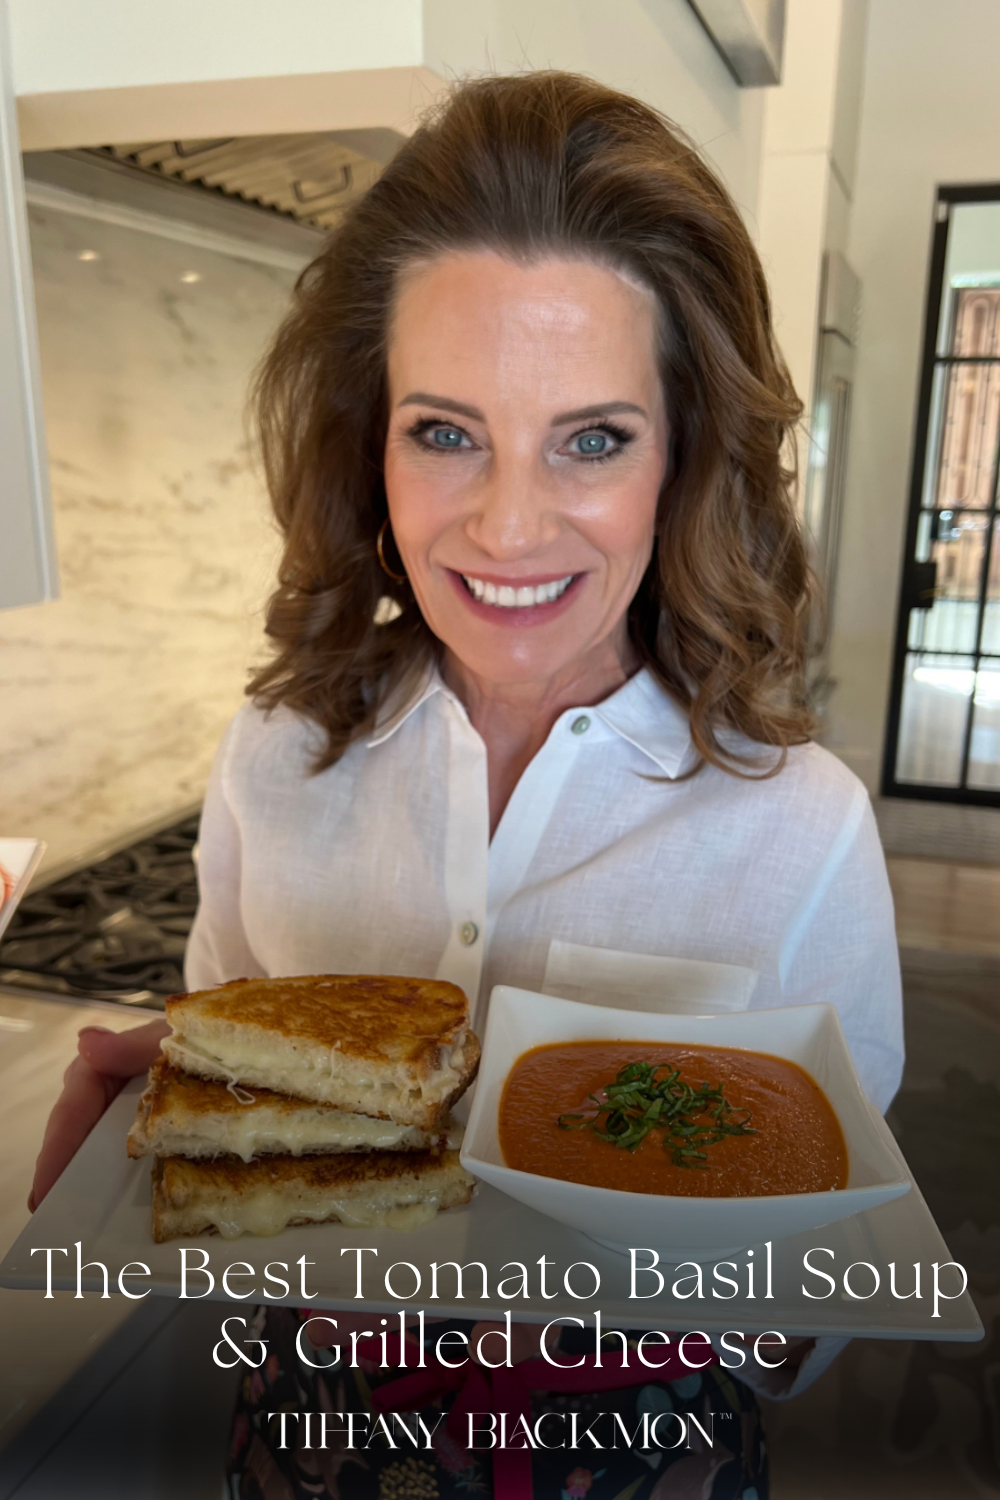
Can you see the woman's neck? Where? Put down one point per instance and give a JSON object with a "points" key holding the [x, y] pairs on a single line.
{"points": [[514, 719]]}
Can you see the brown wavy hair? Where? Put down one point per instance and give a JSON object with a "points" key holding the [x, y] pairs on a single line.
{"points": [[531, 166]]}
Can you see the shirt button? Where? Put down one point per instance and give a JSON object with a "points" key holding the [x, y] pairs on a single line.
{"points": [[467, 933], [580, 725]]}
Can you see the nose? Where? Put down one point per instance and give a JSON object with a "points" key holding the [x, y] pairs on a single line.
{"points": [[514, 515]]}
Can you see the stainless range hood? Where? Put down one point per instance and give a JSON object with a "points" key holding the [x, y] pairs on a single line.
{"points": [[311, 178], [268, 198]]}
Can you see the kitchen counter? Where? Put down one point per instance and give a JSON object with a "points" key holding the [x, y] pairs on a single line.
{"points": [[81, 1378], [37, 1044]]}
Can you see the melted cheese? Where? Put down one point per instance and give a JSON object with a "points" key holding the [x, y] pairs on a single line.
{"points": [[299, 1075], [263, 1214], [243, 1064], [261, 1132]]}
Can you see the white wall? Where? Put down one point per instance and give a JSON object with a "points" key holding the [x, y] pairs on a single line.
{"points": [[119, 70], [655, 49], [930, 114], [807, 168], [101, 44]]}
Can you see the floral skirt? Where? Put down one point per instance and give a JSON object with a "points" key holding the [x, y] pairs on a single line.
{"points": [[732, 1466]]}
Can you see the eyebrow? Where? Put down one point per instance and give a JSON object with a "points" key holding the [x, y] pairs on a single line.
{"points": [[580, 414], [423, 398], [599, 409]]}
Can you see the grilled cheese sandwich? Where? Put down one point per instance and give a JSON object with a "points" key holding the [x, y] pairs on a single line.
{"points": [[385, 1047]]}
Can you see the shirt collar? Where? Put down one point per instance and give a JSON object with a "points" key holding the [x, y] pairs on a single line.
{"points": [[640, 712], [401, 705], [645, 714]]}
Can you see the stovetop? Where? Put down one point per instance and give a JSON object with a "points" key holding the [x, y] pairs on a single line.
{"points": [[115, 930]]}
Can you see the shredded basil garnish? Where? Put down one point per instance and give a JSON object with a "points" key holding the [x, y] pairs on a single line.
{"points": [[651, 1096]]}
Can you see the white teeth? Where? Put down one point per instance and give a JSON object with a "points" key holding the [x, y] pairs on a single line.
{"points": [[505, 596]]}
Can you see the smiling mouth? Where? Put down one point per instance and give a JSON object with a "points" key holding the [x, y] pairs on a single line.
{"points": [[506, 596]]}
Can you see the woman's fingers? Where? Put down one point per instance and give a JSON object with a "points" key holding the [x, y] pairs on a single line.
{"points": [[122, 1054], [86, 1095], [106, 1059]]}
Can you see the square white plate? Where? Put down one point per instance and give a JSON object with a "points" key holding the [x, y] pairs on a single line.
{"points": [[103, 1200]]}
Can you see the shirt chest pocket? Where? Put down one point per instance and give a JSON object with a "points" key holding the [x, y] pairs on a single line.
{"points": [[645, 981]]}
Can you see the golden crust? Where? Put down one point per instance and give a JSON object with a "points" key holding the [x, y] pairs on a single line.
{"points": [[310, 1174], [380, 1018]]}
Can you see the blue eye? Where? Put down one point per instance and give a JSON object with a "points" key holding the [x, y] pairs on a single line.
{"points": [[446, 437], [443, 437], [600, 442]]}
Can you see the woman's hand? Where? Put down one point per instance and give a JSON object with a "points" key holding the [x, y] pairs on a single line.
{"points": [[92, 1080]]}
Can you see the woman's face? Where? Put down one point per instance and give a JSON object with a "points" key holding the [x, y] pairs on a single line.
{"points": [[526, 451]]}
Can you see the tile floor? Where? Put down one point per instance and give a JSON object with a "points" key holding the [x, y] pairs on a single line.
{"points": [[939, 830], [895, 1420], [946, 908]]}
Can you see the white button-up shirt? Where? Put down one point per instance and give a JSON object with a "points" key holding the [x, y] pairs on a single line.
{"points": [[608, 878]]}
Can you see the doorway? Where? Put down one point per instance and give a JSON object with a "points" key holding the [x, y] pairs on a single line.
{"points": [[943, 740]]}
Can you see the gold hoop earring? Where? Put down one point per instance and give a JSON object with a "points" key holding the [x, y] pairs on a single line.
{"points": [[396, 577]]}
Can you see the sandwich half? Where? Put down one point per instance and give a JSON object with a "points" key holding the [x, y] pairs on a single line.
{"points": [[398, 1190], [391, 1048], [181, 1115]]}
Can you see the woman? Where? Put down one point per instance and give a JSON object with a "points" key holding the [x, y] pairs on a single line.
{"points": [[536, 707]]}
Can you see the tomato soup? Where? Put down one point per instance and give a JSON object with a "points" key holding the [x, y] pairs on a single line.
{"points": [[789, 1140]]}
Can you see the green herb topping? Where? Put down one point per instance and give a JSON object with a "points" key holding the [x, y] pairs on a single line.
{"points": [[647, 1096]]}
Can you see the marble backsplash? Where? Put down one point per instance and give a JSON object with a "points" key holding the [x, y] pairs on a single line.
{"points": [[113, 697]]}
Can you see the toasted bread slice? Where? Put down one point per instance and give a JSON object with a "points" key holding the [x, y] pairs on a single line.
{"points": [[395, 1189], [181, 1115], [395, 1049]]}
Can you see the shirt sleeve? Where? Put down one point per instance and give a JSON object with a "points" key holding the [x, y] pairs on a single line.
{"points": [[218, 949], [841, 947]]}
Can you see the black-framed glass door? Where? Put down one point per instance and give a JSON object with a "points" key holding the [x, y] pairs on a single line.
{"points": [[943, 740]]}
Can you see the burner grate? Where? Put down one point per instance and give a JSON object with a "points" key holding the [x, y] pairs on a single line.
{"points": [[116, 930]]}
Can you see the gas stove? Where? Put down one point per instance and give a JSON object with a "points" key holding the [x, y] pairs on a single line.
{"points": [[115, 930]]}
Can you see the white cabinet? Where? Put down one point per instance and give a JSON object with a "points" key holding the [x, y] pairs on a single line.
{"points": [[27, 552]]}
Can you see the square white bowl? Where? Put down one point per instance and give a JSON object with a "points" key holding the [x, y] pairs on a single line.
{"points": [[680, 1228]]}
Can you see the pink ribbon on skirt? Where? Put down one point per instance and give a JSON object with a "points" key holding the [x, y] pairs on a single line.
{"points": [[509, 1390]]}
